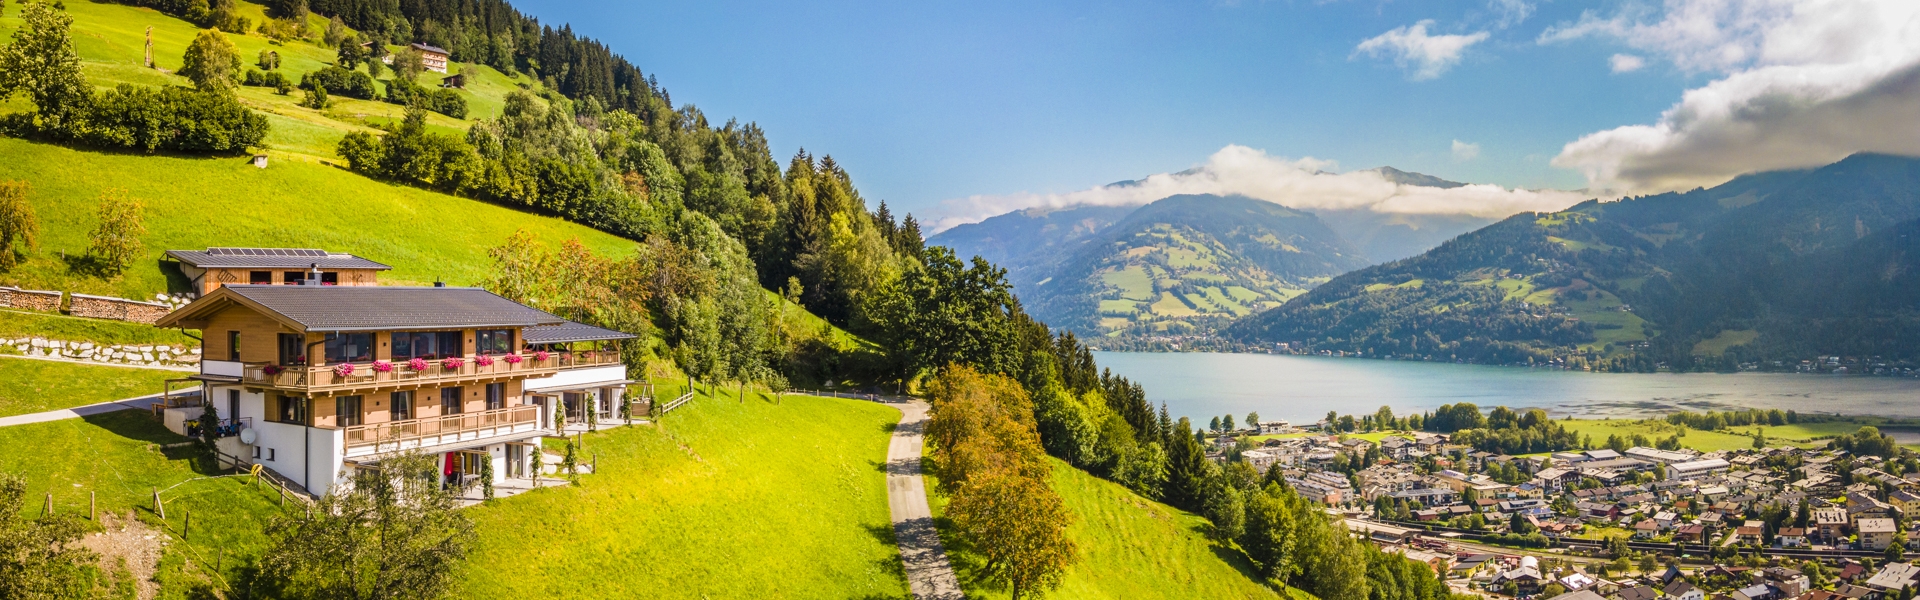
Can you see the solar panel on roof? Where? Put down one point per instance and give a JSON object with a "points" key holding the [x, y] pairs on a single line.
{"points": [[302, 252]]}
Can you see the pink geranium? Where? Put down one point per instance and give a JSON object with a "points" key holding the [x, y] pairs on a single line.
{"points": [[271, 370], [381, 366], [512, 359], [453, 363], [418, 364], [541, 355], [343, 369], [483, 360]]}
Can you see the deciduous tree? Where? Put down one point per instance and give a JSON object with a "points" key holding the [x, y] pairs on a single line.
{"points": [[393, 533], [41, 62], [115, 241], [40, 558], [19, 226], [211, 62]]}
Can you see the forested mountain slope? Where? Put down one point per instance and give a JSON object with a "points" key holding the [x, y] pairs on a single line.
{"points": [[1781, 266], [1185, 265]]}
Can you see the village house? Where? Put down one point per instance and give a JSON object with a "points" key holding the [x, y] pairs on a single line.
{"points": [[432, 57], [312, 381], [207, 270], [1875, 533]]}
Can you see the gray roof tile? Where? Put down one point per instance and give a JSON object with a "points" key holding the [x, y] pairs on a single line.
{"points": [[571, 332], [367, 308], [272, 258]]}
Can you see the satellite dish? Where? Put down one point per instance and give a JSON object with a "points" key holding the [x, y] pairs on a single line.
{"points": [[247, 436]]}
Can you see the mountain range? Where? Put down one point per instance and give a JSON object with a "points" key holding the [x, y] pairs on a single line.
{"points": [[1189, 264], [1773, 266]]}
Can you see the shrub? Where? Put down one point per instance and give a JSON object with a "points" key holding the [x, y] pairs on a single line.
{"points": [[352, 84], [272, 79], [170, 118], [444, 101]]}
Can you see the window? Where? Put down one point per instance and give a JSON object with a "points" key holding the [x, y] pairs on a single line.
{"points": [[346, 411], [289, 409], [329, 279], [292, 277], [260, 277], [269, 455], [493, 341], [400, 407], [233, 404], [256, 452], [293, 349], [349, 347], [233, 346], [426, 344], [450, 401], [496, 396]]}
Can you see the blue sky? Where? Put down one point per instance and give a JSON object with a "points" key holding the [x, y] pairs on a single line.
{"points": [[927, 102]]}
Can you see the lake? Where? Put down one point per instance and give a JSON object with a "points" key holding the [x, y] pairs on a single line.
{"points": [[1303, 388]]}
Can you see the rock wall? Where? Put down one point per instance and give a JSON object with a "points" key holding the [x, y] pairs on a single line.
{"points": [[160, 355], [29, 299], [119, 309]]}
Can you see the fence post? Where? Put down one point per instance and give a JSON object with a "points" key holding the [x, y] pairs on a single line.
{"points": [[93, 501], [48, 510], [158, 508], [188, 526]]}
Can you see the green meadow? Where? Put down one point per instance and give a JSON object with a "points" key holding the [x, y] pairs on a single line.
{"points": [[1129, 547], [724, 499], [30, 386]]}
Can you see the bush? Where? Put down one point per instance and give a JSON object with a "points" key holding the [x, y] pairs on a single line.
{"points": [[444, 101], [352, 84], [272, 79], [169, 118]]}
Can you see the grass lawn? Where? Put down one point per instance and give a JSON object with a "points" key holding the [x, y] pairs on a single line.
{"points": [[116, 455], [1654, 430], [193, 203], [1811, 433], [15, 323], [31, 386], [1130, 547], [723, 500]]}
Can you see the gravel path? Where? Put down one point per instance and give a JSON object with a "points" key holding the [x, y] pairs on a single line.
{"points": [[929, 575]]}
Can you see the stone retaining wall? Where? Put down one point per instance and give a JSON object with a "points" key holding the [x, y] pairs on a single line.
{"points": [[46, 300], [120, 309], [126, 354]]}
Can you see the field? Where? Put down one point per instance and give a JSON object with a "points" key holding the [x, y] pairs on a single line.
{"points": [[192, 203], [724, 500], [14, 324], [30, 386], [1130, 547], [1802, 434], [1719, 343], [1654, 430]]}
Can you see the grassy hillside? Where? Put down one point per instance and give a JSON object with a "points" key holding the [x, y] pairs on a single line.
{"points": [[18, 323], [117, 457], [193, 203], [111, 41], [30, 386], [724, 500], [1130, 547]]}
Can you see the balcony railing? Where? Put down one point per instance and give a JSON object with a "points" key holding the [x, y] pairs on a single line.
{"points": [[360, 374], [432, 430]]}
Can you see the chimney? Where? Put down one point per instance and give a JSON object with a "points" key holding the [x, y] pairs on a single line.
{"points": [[313, 275], [439, 284]]}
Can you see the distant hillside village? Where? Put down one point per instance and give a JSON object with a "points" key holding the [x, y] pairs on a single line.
{"points": [[1769, 523]]}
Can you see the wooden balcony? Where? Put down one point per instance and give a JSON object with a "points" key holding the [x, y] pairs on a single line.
{"points": [[347, 377], [362, 440]]}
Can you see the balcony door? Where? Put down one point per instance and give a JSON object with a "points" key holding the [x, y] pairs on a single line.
{"points": [[347, 411], [451, 401], [400, 406], [293, 349]]}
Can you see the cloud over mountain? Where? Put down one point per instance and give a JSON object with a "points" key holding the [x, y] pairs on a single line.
{"points": [[1803, 83], [1304, 183]]}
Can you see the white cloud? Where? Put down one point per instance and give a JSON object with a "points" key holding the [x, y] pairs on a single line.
{"points": [[1801, 83], [1626, 63], [1463, 151], [1411, 47], [1510, 12], [1305, 183]]}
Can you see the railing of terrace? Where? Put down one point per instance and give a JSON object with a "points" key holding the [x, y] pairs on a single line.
{"points": [[415, 429], [348, 375]]}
